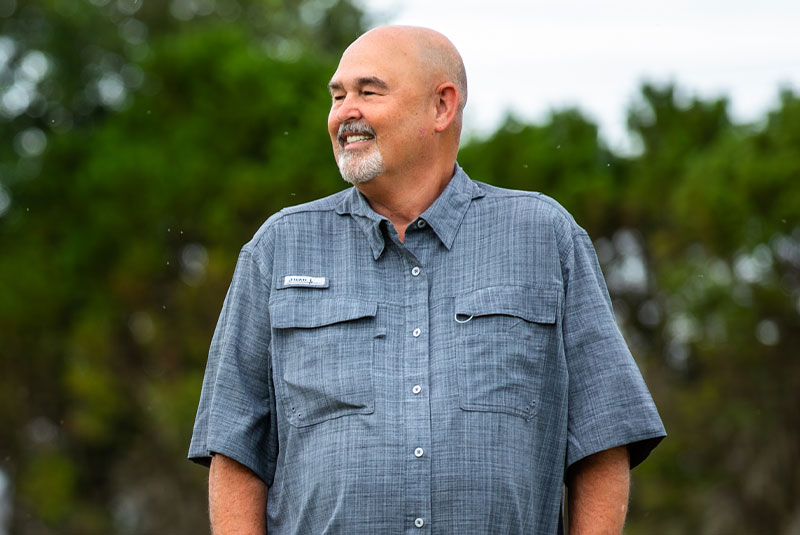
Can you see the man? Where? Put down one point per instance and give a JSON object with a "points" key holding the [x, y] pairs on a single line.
{"points": [[421, 352]]}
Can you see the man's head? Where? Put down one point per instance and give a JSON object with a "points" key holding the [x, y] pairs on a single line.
{"points": [[398, 97]]}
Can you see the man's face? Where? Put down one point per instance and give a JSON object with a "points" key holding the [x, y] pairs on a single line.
{"points": [[378, 119]]}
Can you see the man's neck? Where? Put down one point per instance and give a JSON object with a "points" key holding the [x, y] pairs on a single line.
{"points": [[401, 199]]}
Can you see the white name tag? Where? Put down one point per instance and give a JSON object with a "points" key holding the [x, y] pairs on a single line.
{"points": [[304, 281]]}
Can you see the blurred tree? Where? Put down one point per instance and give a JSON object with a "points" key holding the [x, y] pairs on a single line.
{"points": [[723, 244], [156, 138]]}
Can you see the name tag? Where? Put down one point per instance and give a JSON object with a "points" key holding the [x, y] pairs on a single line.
{"points": [[303, 281]]}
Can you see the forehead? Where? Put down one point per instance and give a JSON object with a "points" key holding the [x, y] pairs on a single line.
{"points": [[374, 60]]}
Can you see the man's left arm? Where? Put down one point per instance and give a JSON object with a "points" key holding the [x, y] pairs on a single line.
{"points": [[597, 493]]}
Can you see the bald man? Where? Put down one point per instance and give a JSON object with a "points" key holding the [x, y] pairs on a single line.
{"points": [[420, 352]]}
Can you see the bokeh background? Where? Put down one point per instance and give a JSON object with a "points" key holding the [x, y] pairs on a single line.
{"points": [[142, 143]]}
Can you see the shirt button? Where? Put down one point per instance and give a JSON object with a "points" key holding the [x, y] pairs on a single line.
{"points": [[415, 271], [419, 522], [416, 333], [421, 223], [418, 452], [417, 389]]}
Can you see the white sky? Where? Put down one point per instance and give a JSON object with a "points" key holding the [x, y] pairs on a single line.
{"points": [[534, 56]]}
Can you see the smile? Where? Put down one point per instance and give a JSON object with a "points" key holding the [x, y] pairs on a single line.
{"points": [[355, 134], [355, 139]]}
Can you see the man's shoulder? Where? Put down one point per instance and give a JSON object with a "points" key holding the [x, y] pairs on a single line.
{"points": [[307, 212], [536, 203], [325, 204]]}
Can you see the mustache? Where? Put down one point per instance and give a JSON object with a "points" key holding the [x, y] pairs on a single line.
{"points": [[354, 127]]}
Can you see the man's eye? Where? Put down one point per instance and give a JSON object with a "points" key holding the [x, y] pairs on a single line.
{"points": [[337, 97]]}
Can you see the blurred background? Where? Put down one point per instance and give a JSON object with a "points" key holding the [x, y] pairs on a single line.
{"points": [[143, 142]]}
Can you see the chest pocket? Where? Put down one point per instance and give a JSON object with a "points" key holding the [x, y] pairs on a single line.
{"points": [[322, 358], [503, 335]]}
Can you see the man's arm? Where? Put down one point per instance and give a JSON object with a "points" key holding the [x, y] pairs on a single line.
{"points": [[237, 499], [598, 493]]}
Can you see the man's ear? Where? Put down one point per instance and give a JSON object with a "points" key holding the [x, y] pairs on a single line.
{"points": [[446, 106]]}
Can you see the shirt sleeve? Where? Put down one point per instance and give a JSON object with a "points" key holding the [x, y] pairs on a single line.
{"points": [[609, 404], [236, 414]]}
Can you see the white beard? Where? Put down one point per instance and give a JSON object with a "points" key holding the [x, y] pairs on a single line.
{"points": [[357, 167]]}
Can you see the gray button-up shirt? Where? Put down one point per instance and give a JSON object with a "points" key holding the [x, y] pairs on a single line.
{"points": [[443, 384]]}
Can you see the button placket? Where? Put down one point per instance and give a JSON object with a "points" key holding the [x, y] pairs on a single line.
{"points": [[416, 366]]}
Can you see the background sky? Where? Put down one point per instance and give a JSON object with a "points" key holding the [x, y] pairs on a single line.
{"points": [[534, 56]]}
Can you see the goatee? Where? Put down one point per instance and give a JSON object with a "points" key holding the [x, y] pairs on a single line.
{"points": [[360, 166]]}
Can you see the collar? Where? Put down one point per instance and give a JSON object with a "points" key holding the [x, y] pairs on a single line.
{"points": [[444, 216], [447, 212], [355, 204]]}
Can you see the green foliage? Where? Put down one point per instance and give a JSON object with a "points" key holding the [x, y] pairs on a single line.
{"points": [[160, 135], [48, 483]]}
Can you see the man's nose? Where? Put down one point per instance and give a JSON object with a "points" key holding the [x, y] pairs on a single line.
{"points": [[347, 110]]}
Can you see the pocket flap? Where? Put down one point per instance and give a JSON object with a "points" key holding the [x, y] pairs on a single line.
{"points": [[318, 312], [537, 305]]}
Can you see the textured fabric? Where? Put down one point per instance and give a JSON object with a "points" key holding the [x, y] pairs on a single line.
{"points": [[442, 385]]}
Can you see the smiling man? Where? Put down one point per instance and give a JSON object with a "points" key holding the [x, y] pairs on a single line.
{"points": [[421, 352]]}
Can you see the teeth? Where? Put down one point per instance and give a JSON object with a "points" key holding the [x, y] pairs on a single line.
{"points": [[356, 138]]}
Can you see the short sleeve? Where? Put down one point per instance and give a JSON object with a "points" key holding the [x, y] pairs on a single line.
{"points": [[236, 414], [609, 404]]}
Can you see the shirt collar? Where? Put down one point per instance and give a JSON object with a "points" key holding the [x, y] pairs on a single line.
{"points": [[355, 204], [444, 216], [447, 212]]}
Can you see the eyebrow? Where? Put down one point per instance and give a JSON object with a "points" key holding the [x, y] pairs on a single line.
{"points": [[361, 82]]}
